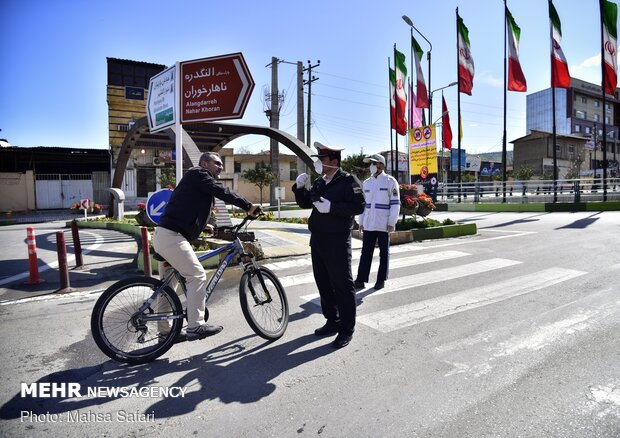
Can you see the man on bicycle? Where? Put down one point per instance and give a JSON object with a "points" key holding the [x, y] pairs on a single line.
{"points": [[185, 217]]}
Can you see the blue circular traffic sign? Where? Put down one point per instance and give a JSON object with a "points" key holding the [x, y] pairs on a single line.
{"points": [[156, 204]]}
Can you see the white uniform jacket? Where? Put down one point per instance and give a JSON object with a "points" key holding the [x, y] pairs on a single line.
{"points": [[382, 203]]}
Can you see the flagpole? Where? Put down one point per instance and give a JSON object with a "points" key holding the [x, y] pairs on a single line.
{"points": [[555, 154], [396, 111], [604, 109], [505, 93], [392, 123], [458, 100]]}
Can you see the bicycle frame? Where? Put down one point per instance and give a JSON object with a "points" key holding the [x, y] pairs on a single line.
{"points": [[234, 248]]}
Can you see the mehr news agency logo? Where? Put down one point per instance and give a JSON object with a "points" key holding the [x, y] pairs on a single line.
{"points": [[74, 390]]}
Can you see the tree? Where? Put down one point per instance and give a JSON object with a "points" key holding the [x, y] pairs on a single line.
{"points": [[261, 176], [355, 165], [524, 173]]}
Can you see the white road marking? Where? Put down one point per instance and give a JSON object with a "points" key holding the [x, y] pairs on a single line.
{"points": [[404, 316], [297, 280]]}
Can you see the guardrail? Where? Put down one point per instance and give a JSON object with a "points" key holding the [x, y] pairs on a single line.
{"points": [[546, 191]]}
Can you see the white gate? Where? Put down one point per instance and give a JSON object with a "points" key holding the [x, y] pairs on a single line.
{"points": [[55, 190], [129, 183]]}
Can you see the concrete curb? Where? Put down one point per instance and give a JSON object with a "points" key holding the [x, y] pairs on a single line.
{"points": [[533, 207], [418, 234]]}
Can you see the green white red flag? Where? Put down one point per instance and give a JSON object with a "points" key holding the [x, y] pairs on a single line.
{"points": [[516, 78], [466, 62], [609, 17], [560, 78], [421, 90], [398, 96]]}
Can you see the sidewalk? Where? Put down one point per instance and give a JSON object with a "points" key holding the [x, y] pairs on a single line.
{"points": [[114, 259]]}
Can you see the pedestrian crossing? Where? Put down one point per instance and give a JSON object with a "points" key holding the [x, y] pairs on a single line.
{"points": [[442, 268]]}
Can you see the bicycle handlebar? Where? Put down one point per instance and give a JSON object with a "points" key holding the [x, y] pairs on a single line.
{"points": [[236, 228]]}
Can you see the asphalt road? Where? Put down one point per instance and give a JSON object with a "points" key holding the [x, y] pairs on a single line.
{"points": [[510, 333]]}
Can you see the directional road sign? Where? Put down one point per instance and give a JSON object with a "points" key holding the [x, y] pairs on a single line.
{"points": [[215, 88], [156, 204], [160, 106]]}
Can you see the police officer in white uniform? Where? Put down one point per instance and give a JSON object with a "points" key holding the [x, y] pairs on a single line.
{"points": [[378, 220]]}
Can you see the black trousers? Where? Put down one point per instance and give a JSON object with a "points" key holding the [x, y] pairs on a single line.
{"points": [[331, 264], [369, 240]]}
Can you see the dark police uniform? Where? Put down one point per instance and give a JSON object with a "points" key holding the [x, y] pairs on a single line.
{"points": [[330, 243]]}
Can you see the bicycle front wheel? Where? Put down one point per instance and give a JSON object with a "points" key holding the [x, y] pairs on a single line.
{"points": [[264, 303], [122, 332]]}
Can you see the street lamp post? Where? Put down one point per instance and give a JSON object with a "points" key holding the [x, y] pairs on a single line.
{"points": [[430, 102]]}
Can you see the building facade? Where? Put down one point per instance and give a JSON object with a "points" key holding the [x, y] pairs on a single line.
{"points": [[579, 112]]}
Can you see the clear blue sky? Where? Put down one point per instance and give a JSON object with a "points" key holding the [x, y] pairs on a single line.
{"points": [[53, 56]]}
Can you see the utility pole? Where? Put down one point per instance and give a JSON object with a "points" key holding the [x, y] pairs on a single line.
{"points": [[301, 166], [274, 119], [310, 80]]}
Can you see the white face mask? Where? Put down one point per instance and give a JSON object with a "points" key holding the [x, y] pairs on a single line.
{"points": [[318, 167], [373, 169]]}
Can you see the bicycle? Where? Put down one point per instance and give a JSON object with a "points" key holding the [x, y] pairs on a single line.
{"points": [[125, 319]]}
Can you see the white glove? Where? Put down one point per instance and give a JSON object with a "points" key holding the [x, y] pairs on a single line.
{"points": [[323, 205], [302, 180]]}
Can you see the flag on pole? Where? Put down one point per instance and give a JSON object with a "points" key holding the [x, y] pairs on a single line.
{"points": [[609, 17], [516, 78], [445, 125], [422, 100], [560, 78], [415, 113], [398, 103], [466, 62]]}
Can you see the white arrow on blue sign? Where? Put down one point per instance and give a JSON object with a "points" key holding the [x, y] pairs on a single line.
{"points": [[156, 204]]}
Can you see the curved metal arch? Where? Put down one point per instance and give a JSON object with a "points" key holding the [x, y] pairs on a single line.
{"points": [[208, 136]]}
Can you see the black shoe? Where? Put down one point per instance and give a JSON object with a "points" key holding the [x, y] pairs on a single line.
{"points": [[342, 340], [181, 337], [329, 328], [379, 285], [203, 331], [359, 284]]}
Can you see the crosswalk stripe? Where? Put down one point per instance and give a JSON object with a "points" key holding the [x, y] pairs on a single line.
{"points": [[307, 261], [410, 314], [296, 280], [437, 276]]}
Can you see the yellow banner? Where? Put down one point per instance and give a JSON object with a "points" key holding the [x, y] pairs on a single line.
{"points": [[422, 153]]}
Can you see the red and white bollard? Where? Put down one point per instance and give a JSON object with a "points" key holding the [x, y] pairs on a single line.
{"points": [[33, 263]]}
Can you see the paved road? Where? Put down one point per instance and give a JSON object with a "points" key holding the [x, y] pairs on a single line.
{"points": [[509, 333]]}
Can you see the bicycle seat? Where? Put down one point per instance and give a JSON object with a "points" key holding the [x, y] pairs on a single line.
{"points": [[157, 256]]}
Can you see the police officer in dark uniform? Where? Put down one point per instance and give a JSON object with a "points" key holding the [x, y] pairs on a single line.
{"points": [[335, 198]]}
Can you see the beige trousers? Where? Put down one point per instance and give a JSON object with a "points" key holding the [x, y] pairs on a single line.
{"points": [[179, 253]]}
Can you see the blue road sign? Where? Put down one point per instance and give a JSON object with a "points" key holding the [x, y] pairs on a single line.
{"points": [[156, 204]]}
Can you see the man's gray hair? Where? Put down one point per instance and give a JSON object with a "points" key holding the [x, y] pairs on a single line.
{"points": [[208, 156]]}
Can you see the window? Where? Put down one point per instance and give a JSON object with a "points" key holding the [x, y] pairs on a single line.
{"points": [[600, 132], [293, 170], [607, 120], [580, 114], [597, 103], [597, 117], [584, 99], [607, 108], [237, 167], [587, 129], [577, 128]]}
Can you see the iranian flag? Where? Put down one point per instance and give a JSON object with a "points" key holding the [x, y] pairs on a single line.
{"points": [[398, 97], [422, 100], [609, 16], [466, 62], [516, 78], [445, 125], [560, 78]]}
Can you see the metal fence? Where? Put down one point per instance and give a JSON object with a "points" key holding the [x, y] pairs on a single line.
{"points": [[569, 190]]}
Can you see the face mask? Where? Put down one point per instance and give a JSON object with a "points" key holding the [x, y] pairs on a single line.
{"points": [[373, 169], [318, 167]]}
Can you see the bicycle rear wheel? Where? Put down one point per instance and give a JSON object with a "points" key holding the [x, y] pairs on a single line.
{"points": [[121, 332], [264, 303]]}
